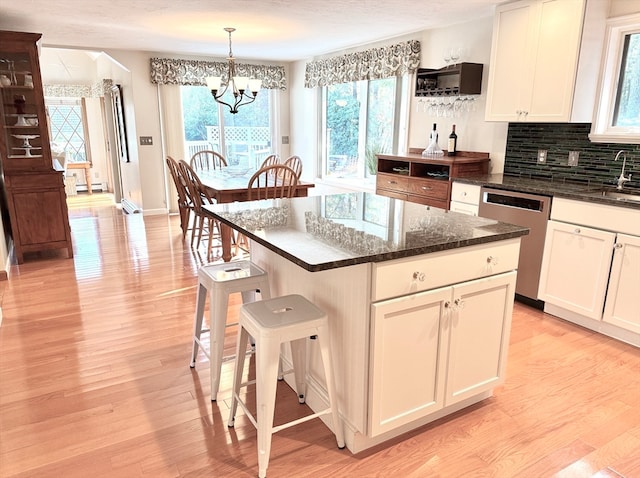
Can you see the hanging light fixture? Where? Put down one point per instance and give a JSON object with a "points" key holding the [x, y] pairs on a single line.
{"points": [[244, 89]]}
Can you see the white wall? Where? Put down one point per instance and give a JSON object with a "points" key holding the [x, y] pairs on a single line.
{"points": [[474, 134], [97, 141], [304, 124]]}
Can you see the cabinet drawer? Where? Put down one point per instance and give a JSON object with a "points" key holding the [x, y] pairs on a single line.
{"points": [[396, 278], [430, 188], [466, 193], [392, 182], [428, 201], [464, 208]]}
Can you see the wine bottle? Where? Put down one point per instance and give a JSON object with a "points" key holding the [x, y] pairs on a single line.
{"points": [[452, 148]]}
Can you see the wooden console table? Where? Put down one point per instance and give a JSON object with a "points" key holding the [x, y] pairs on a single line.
{"points": [[411, 177], [86, 165]]}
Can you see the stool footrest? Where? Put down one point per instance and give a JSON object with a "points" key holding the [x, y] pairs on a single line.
{"points": [[249, 415], [300, 420], [278, 428]]}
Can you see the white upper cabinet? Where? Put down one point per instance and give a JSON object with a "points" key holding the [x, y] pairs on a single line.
{"points": [[534, 58]]}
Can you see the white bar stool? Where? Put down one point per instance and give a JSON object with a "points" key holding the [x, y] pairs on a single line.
{"points": [[294, 319], [218, 281]]}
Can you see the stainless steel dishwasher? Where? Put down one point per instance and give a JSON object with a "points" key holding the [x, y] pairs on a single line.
{"points": [[527, 210]]}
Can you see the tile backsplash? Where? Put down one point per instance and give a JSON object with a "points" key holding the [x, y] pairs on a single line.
{"points": [[595, 162]]}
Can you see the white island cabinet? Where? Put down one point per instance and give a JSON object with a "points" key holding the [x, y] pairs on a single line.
{"points": [[419, 310], [455, 336]]}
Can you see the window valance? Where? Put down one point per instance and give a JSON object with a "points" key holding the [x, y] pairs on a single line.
{"points": [[167, 71], [375, 63], [77, 91]]}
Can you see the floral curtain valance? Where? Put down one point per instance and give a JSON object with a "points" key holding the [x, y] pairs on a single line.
{"points": [[76, 91], [167, 71], [384, 62]]}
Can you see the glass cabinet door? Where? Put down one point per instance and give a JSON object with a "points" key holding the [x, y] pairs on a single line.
{"points": [[24, 142]]}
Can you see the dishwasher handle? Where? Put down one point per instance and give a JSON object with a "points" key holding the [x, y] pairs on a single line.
{"points": [[515, 200]]}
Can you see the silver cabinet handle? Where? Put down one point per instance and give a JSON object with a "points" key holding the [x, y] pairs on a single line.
{"points": [[392, 182], [426, 188], [576, 230], [618, 245], [419, 276]]}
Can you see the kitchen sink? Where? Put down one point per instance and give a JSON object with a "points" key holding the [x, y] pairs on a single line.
{"points": [[618, 195]]}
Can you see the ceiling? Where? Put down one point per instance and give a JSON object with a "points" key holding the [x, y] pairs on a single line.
{"points": [[277, 30]]}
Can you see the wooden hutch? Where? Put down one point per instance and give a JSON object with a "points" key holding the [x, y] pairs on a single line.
{"points": [[33, 186], [426, 180]]}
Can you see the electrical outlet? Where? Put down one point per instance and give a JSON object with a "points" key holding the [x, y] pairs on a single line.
{"points": [[146, 141], [285, 140], [542, 156], [573, 158]]}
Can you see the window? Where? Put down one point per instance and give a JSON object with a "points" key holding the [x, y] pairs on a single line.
{"points": [[618, 110], [244, 138], [67, 131], [360, 119]]}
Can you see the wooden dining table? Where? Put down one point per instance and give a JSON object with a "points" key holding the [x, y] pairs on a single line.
{"points": [[226, 185]]}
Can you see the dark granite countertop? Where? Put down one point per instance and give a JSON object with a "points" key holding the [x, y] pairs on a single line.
{"points": [[325, 232], [565, 189]]}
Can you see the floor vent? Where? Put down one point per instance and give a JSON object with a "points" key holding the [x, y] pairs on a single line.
{"points": [[129, 208]]}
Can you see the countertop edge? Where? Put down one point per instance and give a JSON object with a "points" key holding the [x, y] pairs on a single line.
{"points": [[383, 257], [578, 191]]}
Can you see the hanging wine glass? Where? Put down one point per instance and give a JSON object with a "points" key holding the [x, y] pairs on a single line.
{"points": [[447, 56], [454, 55]]}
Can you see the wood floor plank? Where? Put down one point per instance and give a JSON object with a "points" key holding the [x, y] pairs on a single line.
{"points": [[95, 381]]}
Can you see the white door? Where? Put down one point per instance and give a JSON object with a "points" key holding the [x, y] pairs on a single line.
{"points": [[407, 370], [479, 335], [575, 268], [622, 306]]}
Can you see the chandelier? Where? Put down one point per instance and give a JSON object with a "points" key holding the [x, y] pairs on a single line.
{"points": [[244, 89]]}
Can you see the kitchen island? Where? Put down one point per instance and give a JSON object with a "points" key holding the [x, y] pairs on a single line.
{"points": [[419, 301]]}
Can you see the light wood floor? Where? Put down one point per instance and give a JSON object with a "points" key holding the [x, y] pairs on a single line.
{"points": [[95, 382]]}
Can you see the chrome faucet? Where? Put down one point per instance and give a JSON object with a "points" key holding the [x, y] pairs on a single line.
{"points": [[622, 179]]}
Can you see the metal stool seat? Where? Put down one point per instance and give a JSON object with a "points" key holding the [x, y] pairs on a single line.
{"points": [[271, 322], [218, 281]]}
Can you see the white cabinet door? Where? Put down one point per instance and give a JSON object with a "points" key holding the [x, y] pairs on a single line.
{"points": [[510, 65], [479, 335], [575, 268], [407, 374], [428, 353], [534, 59], [622, 306]]}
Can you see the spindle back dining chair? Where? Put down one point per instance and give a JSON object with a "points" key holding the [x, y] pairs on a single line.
{"points": [[207, 160], [271, 182], [295, 163], [270, 160], [199, 196], [185, 206]]}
